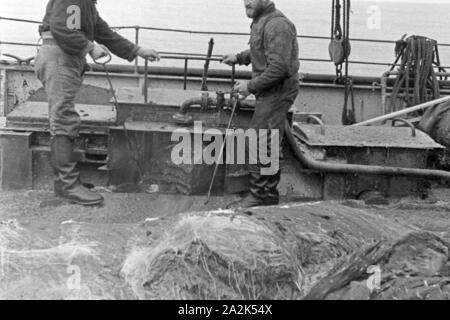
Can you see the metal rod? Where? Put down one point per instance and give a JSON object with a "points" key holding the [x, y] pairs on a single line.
{"points": [[333, 6], [189, 54], [190, 58], [403, 112], [200, 57], [185, 73], [233, 75], [204, 86], [10, 43], [20, 20], [222, 150], [108, 77], [136, 63], [145, 89]]}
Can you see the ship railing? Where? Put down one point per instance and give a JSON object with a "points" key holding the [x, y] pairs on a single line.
{"points": [[187, 57]]}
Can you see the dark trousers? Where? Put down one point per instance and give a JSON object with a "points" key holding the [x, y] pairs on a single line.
{"points": [[271, 111], [62, 76]]}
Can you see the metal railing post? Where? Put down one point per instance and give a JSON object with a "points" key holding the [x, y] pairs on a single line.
{"points": [[233, 75], [145, 89], [186, 61], [136, 63]]}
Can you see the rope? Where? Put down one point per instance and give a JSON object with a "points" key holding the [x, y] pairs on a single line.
{"points": [[417, 81]]}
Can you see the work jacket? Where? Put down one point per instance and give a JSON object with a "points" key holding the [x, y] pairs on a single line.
{"points": [[75, 24], [274, 52]]}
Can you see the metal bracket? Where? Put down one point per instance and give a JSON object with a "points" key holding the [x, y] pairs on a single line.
{"points": [[409, 124], [319, 122]]}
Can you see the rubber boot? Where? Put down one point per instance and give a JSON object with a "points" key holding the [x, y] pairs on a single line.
{"points": [[67, 177], [256, 194], [272, 194]]}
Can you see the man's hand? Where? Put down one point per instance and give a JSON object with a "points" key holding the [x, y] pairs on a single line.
{"points": [[98, 52], [229, 59], [242, 88], [149, 54]]}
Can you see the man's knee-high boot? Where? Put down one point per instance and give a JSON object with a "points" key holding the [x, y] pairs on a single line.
{"points": [[272, 193], [256, 194], [67, 177]]}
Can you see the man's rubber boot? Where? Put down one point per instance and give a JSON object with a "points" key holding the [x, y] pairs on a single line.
{"points": [[67, 176], [256, 194], [272, 193]]}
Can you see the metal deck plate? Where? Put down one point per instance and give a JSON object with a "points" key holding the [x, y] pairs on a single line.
{"points": [[368, 137], [36, 113]]}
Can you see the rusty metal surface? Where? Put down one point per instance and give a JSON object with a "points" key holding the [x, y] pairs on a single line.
{"points": [[138, 112], [88, 94], [161, 97], [142, 155], [16, 160], [37, 113], [368, 137]]}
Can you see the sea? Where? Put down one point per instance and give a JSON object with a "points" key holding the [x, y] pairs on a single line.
{"points": [[383, 20]]}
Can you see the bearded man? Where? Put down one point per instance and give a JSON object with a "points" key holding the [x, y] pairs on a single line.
{"points": [[274, 56]]}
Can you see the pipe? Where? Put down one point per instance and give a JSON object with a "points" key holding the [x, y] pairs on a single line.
{"points": [[186, 105], [404, 111], [359, 169], [206, 101], [182, 116]]}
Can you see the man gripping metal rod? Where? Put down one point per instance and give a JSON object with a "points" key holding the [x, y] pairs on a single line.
{"points": [[274, 56]]}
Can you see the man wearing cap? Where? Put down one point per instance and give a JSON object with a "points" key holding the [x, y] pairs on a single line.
{"points": [[274, 56], [71, 29]]}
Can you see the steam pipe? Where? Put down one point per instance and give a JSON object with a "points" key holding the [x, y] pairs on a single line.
{"points": [[359, 169]]}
